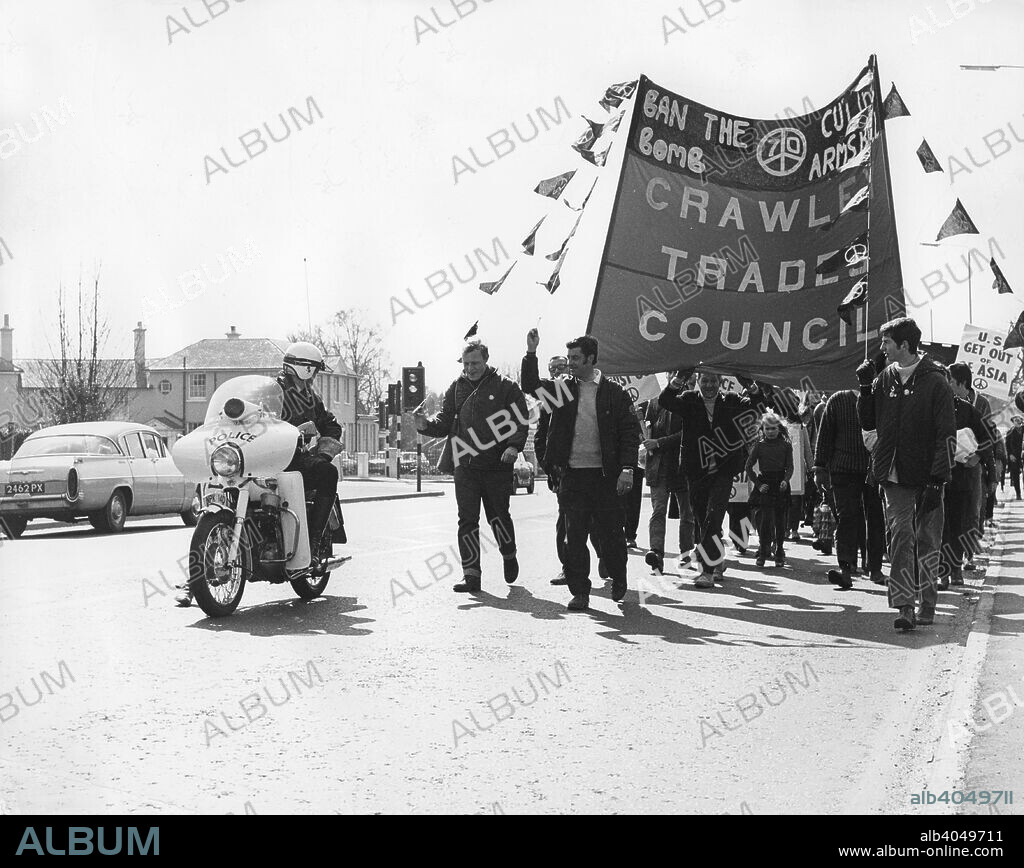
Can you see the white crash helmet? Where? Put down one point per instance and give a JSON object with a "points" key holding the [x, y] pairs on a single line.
{"points": [[304, 359]]}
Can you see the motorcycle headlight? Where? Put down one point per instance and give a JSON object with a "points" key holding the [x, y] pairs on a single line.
{"points": [[226, 460]]}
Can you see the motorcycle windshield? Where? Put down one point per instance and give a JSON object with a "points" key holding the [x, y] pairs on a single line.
{"points": [[263, 392]]}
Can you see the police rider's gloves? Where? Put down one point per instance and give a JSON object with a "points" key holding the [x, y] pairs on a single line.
{"points": [[931, 497], [866, 373], [822, 478]]}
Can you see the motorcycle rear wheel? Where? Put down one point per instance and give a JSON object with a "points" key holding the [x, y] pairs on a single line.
{"points": [[217, 589]]}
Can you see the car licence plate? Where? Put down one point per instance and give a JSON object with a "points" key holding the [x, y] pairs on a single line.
{"points": [[23, 488]]}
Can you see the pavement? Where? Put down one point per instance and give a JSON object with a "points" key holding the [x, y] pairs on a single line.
{"points": [[995, 713], [775, 692], [353, 489]]}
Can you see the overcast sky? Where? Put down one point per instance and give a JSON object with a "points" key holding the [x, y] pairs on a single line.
{"points": [[367, 193]]}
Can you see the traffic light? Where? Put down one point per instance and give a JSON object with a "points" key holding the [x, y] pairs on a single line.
{"points": [[394, 397], [412, 387], [382, 414]]}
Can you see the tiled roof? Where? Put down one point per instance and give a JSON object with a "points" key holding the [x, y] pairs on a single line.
{"points": [[226, 354], [35, 371], [236, 354]]}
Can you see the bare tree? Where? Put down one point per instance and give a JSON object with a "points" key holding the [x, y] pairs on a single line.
{"points": [[359, 342], [79, 385]]}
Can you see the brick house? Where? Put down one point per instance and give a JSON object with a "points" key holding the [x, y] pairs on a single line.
{"points": [[172, 393]]}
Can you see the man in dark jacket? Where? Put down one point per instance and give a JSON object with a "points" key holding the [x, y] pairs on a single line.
{"points": [[841, 464], [958, 529], [485, 418], [716, 426], [662, 446], [592, 446], [910, 405], [1014, 450], [543, 391], [982, 481]]}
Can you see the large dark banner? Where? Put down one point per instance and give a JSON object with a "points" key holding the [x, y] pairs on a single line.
{"points": [[720, 228]]}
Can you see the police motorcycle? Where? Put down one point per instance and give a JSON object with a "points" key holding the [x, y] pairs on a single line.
{"points": [[254, 524]]}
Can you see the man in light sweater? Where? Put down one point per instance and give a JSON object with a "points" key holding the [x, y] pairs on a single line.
{"points": [[592, 447]]}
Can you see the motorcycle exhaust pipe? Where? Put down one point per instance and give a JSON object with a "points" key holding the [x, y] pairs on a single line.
{"points": [[334, 562]]}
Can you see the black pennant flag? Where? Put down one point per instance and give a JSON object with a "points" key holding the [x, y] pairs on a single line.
{"points": [[927, 158], [472, 331], [553, 187], [597, 159], [957, 223], [586, 199], [1000, 281], [856, 297], [558, 254], [894, 107], [491, 288], [856, 251], [1016, 337], [530, 241], [585, 141], [554, 281], [616, 93], [859, 201]]}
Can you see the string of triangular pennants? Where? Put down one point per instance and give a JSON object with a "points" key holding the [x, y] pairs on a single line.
{"points": [[958, 222], [586, 145]]}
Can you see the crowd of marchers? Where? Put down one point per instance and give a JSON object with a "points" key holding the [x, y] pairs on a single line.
{"points": [[904, 468]]}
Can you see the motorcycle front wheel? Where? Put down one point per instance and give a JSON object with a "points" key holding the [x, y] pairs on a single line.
{"points": [[216, 586]]}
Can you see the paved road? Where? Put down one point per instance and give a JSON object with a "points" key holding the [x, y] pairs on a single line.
{"points": [[775, 692]]}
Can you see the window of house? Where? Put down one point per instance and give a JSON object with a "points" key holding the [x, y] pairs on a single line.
{"points": [[192, 426], [197, 386], [348, 390], [165, 387]]}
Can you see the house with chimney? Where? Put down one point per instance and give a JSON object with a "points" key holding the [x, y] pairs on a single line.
{"points": [[172, 393]]}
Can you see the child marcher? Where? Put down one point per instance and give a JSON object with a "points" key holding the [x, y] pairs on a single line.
{"points": [[773, 455]]}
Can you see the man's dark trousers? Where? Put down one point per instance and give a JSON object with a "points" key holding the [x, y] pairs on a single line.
{"points": [[493, 488], [587, 498], [709, 496], [857, 502], [560, 538], [954, 532], [317, 473], [632, 501]]}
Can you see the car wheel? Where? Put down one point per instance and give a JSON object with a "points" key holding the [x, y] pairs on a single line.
{"points": [[191, 515], [529, 488], [13, 526], [112, 517]]}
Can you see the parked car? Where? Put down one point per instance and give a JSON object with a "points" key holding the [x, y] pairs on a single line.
{"points": [[408, 461], [523, 475], [105, 471]]}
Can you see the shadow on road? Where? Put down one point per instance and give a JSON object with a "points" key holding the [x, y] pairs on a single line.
{"points": [[327, 615], [75, 532]]}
